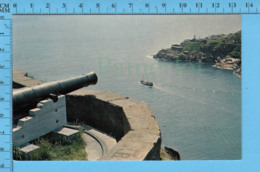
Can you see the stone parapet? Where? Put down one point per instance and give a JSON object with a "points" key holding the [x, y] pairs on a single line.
{"points": [[131, 122], [93, 108]]}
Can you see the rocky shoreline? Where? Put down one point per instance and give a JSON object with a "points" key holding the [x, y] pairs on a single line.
{"points": [[167, 153], [223, 50], [229, 63]]}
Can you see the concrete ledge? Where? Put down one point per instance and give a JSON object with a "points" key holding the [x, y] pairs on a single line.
{"points": [[28, 149], [21, 79], [131, 122], [65, 135], [136, 146]]}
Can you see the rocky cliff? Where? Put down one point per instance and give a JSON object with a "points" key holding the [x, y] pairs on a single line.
{"points": [[223, 50]]}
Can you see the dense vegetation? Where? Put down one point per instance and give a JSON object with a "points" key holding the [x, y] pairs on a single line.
{"points": [[207, 49], [55, 150]]}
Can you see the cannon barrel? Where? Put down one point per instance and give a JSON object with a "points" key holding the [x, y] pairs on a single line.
{"points": [[32, 95]]}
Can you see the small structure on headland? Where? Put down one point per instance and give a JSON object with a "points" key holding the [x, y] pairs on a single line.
{"points": [[125, 128]]}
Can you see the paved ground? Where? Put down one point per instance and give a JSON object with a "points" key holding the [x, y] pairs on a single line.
{"points": [[108, 141], [94, 148]]}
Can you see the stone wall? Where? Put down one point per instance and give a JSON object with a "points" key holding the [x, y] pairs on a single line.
{"points": [[131, 122], [93, 108]]}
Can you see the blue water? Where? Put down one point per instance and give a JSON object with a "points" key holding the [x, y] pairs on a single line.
{"points": [[197, 106]]}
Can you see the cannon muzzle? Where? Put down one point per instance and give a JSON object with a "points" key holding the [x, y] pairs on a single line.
{"points": [[32, 95]]}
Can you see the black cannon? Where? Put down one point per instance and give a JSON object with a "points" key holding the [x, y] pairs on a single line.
{"points": [[30, 96]]}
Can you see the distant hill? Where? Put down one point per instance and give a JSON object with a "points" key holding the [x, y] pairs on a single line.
{"points": [[223, 50]]}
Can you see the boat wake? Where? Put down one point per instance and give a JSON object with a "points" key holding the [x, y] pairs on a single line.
{"points": [[175, 93], [186, 96]]}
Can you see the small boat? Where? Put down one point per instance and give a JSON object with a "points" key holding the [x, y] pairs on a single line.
{"points": [[147, 83]]}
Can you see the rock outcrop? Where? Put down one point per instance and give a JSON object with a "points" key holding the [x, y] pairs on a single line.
{"points": [[169, 154], [223, 50], [229, 63]]}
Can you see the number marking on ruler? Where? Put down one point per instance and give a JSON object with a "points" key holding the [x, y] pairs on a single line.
{"points": [[5, 88]]}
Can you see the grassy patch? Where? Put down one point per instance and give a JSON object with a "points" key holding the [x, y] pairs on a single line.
{"points": [[29, 76], [50, 150], [17, 154], [192, 47]]}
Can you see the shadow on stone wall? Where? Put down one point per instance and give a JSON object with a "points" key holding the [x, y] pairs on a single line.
{"points": [[131, 122]]}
